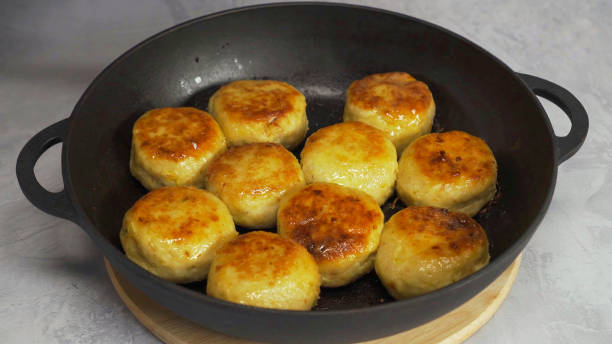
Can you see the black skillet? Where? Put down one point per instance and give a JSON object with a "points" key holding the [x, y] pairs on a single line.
{"points": [[320, 49]]}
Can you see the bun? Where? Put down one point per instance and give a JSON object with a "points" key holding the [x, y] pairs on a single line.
{"points": [[260, 111], [251, 179], [352, 154], [395, 103], [265, 270], [173, 232], [339, 226], [452, 170], [173, 146], [425, 248]]}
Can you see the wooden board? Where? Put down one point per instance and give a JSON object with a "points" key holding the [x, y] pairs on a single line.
{"points": [[452, 328]]}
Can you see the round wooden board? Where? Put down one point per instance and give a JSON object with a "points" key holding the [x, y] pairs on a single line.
{"points": [[452, 328]]}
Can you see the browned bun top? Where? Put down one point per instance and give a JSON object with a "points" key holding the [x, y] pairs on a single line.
{"points": [[261, 253], [255, 169], [256, 100], [357, 140], [438, 232], [395, 94], [176, 133], [176, 214], [330, 220], [451, 155]]}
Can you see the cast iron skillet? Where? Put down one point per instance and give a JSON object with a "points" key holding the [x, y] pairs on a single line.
{"points": [[320, 49]]}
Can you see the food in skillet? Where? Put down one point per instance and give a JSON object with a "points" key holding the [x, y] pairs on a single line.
{"points": [[352, 167], [452, 170], [260, 111], [173, 146], [251, 179], [173, 232], [395, 103], [265, 270], [352, 154], [425, 248], [338, 225]]}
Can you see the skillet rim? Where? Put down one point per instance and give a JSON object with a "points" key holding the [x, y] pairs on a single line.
{"points": [[115, 255]]}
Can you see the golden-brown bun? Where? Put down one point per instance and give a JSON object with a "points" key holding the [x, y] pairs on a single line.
{"points": [[174, 231], [425, 248], [339, 226], [352, 154], [265, 270], [251, 179], [173, 146], [395, 103], [452, 170], [260, 111]]}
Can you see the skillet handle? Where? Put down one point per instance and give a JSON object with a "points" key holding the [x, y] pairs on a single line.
{"points": [[565, 146], [54, 203]]}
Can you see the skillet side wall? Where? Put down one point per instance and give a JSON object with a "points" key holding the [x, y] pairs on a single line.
{"points": [[320, 50]]}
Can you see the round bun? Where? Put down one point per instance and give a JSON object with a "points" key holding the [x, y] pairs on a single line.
{"points": [[425, 248], [260, 111], [265, 270], [339, 226], [395, 103], [352, 154], [452, 170], [173, 146], [173, 232], [251, 179]]}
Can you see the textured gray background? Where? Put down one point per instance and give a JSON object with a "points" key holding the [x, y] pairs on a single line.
{"points": [[53, 288]]}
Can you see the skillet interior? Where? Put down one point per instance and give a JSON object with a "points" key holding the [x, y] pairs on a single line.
{"points": [[320, 49]]}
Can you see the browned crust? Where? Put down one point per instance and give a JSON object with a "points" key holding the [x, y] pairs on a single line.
{"points": [[176, 133], [458, 232], [236, 169], [448, 156], [174, 213], [256, 100], [331, 221], [356, 137], [404, 95], [260, 253]]}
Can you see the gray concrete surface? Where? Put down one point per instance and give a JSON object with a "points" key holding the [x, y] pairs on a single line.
{"points": [[53, 288]]}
